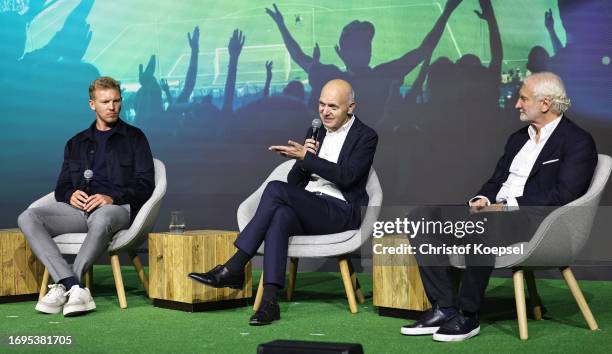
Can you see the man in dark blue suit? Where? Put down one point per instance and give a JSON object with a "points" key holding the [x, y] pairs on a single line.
{"points": [[549, 163], [324, 194]]}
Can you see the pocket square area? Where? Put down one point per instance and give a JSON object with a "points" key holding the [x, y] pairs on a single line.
{"points": [[549, 161]]}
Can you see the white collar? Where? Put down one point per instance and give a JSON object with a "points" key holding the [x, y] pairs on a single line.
{"points": [[545, 131], [345, 127]]}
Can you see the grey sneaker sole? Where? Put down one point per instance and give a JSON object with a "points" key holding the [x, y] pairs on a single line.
{"points": [[456, 337], [44, 308], [73, 310], [420, 331]]}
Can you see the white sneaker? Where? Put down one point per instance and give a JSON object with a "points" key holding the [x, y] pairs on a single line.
{"points": [[53, 301], [79, 301]]}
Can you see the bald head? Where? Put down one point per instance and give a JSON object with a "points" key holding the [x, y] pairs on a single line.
{"points": [[342, 88], [336, 104]]}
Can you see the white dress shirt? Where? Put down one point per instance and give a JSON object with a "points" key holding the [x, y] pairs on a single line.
{"points": [[522, 164], [330, 151]]}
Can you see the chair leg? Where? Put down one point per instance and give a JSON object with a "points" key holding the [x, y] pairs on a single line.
{"points": [[358, 293], [259, 294], [534, 298], [348, 285], [44, 284], [580, 300], [89, 278], [144, 279], [293, 264], [355, 282], [519, 297], [118, 280]]}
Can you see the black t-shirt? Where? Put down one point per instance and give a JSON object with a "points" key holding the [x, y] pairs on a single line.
{"points": [[100, 183]]}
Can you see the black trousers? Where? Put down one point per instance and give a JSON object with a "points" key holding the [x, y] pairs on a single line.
{"points": [[501, 229], [286, 210]]}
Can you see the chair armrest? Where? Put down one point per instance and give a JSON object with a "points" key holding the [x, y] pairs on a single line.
{"points": [[43, 201]]}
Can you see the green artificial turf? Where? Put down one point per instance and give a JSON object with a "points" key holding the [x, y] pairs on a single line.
{"points": [[319, 312]]}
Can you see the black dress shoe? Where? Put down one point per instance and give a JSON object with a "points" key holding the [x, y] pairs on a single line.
{"points": [[220, 277], [429, 322], [268, 312], [458, 328]]}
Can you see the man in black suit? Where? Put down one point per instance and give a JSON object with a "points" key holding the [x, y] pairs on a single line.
{"points": [[324, 193], [546, 164]]}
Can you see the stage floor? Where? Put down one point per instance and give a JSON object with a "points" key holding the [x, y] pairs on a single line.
{"points": [[318, 312]]}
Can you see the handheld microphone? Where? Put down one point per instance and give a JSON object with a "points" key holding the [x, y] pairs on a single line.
{"points": [[316, 125], [88, 175]]}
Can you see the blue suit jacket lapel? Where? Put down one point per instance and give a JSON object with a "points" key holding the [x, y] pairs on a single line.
{"points": [[351, 139]]}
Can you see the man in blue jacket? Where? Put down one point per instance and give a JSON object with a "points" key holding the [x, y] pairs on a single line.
{"points": [[324, 193], [546, 164], [106, 176]]}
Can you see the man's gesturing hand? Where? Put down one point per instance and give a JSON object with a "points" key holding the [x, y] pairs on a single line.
{"points": [[293, 151], [96, 200]]}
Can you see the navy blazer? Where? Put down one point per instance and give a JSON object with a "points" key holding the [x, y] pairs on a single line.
{"points": [[562, 172], [351, 172]]}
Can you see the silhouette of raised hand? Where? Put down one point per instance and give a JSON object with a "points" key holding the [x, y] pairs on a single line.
{"points": [[316, 53], [163, 83], [194, 40], [235, 44], [339, 52], [495, 43], [145, 76], [234, 47], [549, 22], [266, 89], [487, 10], [406, 63], [294, 49], [276, 15]]}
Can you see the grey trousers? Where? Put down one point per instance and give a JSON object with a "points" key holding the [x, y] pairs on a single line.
{"points": [[40, 225]]}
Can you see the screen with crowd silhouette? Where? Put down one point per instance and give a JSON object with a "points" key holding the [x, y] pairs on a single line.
{"points": [[214, 83]]}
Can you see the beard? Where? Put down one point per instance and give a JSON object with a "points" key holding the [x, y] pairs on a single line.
{"points": [[524, 118]]}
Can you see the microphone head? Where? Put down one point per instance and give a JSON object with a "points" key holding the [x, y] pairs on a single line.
{"points": [[88, 174], [316, 123]]}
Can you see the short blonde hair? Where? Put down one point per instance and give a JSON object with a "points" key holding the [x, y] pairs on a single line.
{"points": [[103, 83]]}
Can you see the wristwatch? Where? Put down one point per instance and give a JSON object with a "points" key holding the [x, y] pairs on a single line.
{"points": [[504, 203]]}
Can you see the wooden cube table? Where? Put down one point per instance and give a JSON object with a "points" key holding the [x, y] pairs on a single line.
{"points": [[20, 271], [172, 256], [397, 286]]}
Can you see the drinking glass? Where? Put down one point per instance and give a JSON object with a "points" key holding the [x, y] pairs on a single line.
{"points": [[177, 222]]}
